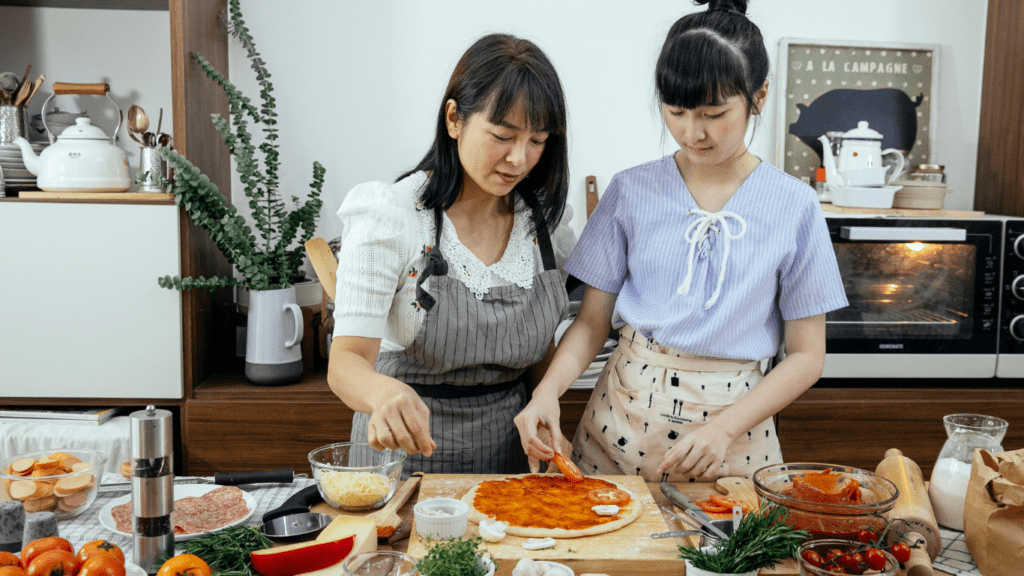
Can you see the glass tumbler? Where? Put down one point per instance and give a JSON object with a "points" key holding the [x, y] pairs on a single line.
{"points": [[948, 485], [380, 563]]}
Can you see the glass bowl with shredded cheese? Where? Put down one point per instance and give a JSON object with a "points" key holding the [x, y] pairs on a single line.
{"points": [[353, 476]]}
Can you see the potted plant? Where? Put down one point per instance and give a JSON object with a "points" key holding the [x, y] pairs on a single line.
{"points": [[268, 260]]}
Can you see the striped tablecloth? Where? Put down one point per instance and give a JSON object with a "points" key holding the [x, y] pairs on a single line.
{"points": [[86, 527]]}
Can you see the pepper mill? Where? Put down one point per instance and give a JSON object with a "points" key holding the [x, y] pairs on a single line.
{"points": [[152, 459]]}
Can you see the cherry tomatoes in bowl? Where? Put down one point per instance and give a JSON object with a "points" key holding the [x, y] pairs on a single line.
{"points": [[40, 545], [866, 536], [812, 558], [102, 565], [53, 563], [900, 551], [100, 548], [874, 558], [184, 565], [604, 496]]}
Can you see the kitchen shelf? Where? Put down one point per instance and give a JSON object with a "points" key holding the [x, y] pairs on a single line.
{"points": [[94, 4], [94, 197]]}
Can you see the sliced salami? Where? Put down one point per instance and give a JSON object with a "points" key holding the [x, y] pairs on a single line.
{"points": [[194, 515]]}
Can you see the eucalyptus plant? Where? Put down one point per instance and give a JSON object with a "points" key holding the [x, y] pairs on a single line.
{"points": [[273, 259]]}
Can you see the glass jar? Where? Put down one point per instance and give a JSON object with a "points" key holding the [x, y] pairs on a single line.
{"points": [[948, 485], [927, 173]]}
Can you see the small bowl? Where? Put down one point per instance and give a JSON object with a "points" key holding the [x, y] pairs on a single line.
{"points": [[378, 563], [549, 569], [827, 520], [441, 518], [66, 484], [823, 547], [354, 476]]}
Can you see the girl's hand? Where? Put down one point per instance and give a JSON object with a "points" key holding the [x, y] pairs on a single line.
{"points": [[401, 421], [539, 429], [700, 454]]}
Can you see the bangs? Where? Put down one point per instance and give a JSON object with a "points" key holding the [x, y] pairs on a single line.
{"points": [[541, 104], [700, 70]]}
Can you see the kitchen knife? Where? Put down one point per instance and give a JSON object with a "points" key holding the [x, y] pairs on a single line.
{"points": [[282, 475], [691, 509], [678, 534]]}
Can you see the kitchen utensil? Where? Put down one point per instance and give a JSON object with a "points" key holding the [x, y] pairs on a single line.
{"points": [[860, 160], [152, 458], [35, 88], [164, 140], [12, 123], [863, 196], [741, 489], [324, 264], [691, 509], [678, 534], [152, 170], [913, 511], [21, 85], [279, 476], [952, 470], [387, 518], [707, 538], [737, 515], [83, 158], [66, 493], [138, 121], [296, 527], [9, 83], [333, 462], [149, 139], [160, 121]]}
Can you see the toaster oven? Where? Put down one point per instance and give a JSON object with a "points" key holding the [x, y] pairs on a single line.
{"points": [[929, 297]]}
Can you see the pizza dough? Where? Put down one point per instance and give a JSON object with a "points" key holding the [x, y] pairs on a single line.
{"points": [[540, 506]]}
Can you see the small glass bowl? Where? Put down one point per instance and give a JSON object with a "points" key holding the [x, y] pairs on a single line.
{"points": [[823, 547], [826, 520], [353, 476], [65, 484]]}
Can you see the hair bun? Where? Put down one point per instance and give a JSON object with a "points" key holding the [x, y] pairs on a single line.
{"points": [[734, 6]]}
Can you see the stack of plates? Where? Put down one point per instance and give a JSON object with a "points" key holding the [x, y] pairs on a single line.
{"points": [[16, 176]]}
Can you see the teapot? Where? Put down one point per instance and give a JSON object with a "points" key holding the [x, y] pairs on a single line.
{"points": [[83, 158], [860, 159]]}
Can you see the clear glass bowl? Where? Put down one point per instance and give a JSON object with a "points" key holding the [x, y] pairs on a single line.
{"points": [[826, 520], [823, 547], [65, 484], [355, 476]]}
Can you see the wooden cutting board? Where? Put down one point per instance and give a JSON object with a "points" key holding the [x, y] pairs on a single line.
{"points": [[627, 551], [741, 489]]}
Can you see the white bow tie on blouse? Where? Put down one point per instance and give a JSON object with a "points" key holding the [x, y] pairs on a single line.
{"points": [[697, 232]]}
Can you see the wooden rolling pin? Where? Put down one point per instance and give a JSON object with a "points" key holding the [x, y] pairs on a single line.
{"points": [[912, 514]]}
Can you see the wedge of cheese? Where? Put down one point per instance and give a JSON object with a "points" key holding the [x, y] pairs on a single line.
{"points": [[364, 530]]}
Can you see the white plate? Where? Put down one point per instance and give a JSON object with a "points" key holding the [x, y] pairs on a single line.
{"points": [[180, 491], [133, 569]]}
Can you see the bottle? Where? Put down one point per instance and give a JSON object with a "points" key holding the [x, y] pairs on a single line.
{"points": [[948, 486], [152, 458]]}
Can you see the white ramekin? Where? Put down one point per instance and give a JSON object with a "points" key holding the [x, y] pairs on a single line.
{"points": [[440, 527]]}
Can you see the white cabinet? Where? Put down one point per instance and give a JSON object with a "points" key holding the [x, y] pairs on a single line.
{"points": [[81, 314]]}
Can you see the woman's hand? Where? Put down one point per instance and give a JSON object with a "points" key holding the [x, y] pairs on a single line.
{"points": [[699, 454], [401, 420], [539, 430]]}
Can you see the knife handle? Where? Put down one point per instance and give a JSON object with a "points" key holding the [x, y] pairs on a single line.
{"points": [[283, 475]]}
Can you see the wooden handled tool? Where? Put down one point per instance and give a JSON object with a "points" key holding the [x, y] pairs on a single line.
{"points": [[912, 514], [741, 489], [98, 89]]}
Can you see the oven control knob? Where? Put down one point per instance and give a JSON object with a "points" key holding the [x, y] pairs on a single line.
{"points": [[1017, 327], [1018, 287], [1018, 246]]}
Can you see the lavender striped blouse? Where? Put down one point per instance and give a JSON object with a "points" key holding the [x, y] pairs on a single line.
{"points": [[781, 268]]}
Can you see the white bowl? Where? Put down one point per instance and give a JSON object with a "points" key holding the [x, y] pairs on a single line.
{"points": [[451, 525], [863, 197]]}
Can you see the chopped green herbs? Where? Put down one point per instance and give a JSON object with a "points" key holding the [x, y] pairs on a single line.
{"points": [[452, 557], [762, 540], [227, 551]]}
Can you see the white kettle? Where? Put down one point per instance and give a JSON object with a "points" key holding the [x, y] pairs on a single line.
{"points": [[83, 158], [860, 159]]}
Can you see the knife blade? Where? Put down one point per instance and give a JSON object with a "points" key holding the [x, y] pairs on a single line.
{"points": [[691, 509], [281, 475], [678, 534]]}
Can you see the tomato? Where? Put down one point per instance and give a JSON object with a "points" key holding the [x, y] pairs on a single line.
{"points": [[568, 469], [53, 563], [184, 565], [728, 502], [874, 558], [608, 496], [812, 558], [38, 546], [712, 507], [8, 559], [900, 551], [100, 548], [866, 536], [833, 553], [852, 561], [836, 569], [102, 565], [12, 570]]}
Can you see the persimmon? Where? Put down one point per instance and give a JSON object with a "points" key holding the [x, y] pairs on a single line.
{"points": [[100, 548], [8, 559], [12, 570], [102, 565], [53, 563], [184, 565], [40, 545]]}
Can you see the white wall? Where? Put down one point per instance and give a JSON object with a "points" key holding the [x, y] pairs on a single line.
{"points": [[358, 83]]}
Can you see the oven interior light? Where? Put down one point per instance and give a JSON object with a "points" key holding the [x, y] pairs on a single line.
{"points": [[915, 246]]}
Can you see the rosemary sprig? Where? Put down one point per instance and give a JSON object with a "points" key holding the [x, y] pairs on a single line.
{"points": [[762, 540], [227, 551], [452, 557]]}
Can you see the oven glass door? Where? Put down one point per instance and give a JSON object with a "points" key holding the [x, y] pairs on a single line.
{"points": [[915, 287]]}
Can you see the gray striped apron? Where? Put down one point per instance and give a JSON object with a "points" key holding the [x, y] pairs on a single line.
{"points": [[467, 364]]}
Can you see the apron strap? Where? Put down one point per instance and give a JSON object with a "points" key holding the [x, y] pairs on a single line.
{"points": [[437, 266]]}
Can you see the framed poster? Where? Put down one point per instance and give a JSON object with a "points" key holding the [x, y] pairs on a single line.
{"points": [[832, 85]]}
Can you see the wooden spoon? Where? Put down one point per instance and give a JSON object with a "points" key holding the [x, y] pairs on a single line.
{"points": [[22, 96], [35, 88], [324, 264], [138, 122]]}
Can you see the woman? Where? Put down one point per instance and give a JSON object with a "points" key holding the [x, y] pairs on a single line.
{"points": [[702, 257], [448, 288]]}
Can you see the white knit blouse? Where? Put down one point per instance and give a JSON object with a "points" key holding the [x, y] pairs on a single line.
{"points": [[387, 234]]}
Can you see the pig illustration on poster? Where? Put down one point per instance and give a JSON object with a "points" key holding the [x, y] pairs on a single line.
{"points": [[830, 86]]}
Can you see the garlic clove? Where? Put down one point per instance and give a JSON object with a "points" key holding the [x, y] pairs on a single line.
{"points": [[605, 509], [539, 543], [492, 530]]}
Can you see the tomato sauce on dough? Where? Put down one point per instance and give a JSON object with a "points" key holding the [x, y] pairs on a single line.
{"points": [[542, 502]]}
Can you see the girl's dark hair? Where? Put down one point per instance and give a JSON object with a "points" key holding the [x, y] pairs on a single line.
{"points": [[496, 74], [711, 56]]}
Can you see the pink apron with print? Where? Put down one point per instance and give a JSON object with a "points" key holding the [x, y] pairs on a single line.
{"points": [[649, 396]]}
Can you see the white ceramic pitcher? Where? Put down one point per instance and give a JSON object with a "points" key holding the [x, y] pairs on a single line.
{"points": [[273, 354]]}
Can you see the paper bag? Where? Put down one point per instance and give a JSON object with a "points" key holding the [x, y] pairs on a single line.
{"points": [[994, 512]]}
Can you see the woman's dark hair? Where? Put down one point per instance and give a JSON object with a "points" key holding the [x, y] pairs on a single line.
{"points": [[710, 56], [496, 74]]}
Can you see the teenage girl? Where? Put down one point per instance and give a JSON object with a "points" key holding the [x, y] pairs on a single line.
{"points": [[703, 260]]}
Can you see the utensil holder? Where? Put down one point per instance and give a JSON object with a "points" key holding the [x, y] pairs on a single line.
{"points": [[12, 123], [153, 165]]}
